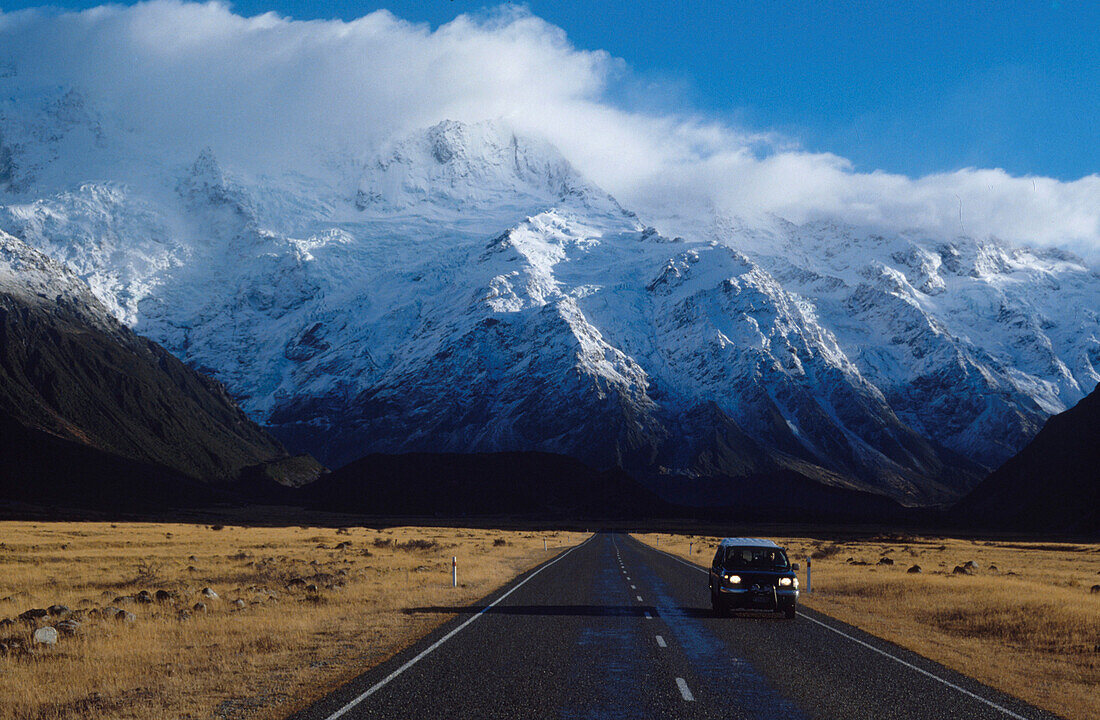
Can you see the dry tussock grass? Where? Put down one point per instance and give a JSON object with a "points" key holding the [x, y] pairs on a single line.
{"points": [[1024, 620], [289, 644]]}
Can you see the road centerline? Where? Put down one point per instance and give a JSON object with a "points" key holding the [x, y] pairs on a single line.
{"points": [[883, 653], [685, 691]]}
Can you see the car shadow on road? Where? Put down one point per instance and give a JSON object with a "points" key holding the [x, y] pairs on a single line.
{"points": [[581, 610], [705, 613]]}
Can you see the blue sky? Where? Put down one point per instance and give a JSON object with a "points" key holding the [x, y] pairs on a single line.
{"points": [[904, 87]]}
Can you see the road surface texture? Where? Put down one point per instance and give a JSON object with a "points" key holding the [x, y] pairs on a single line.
{"points": [[616, 629]]}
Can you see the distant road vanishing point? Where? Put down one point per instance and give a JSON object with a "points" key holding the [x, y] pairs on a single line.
{"points": [[615, 629]]}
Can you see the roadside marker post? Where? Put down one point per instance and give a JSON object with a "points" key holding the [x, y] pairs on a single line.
{"points": [[809, 585], [689, 548], [544, 544], [454, 571]]}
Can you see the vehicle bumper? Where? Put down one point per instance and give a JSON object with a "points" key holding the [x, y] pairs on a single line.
{"points": [[747, 599]]}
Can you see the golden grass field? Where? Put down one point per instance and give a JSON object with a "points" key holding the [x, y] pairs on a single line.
{"points": [[1025, 621], [287, 645]]}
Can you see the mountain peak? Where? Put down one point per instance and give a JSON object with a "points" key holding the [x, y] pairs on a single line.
{"points": [[462, 168]]}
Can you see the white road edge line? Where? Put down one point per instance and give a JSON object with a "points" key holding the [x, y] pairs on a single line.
{"points": [[661, 642], [648, 616], [639, 598], [423, 653], [911, 666], [684, 690], [896, 659]]}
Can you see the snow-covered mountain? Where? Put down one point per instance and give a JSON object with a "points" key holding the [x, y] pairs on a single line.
{"points": [[973, 342], [75, 383], [466, 289]]}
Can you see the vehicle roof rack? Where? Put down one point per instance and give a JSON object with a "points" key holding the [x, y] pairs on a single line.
{"points": [[747, 542]]}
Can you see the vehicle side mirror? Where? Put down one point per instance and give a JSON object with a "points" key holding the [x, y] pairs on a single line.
{"points": [[796, 567]]}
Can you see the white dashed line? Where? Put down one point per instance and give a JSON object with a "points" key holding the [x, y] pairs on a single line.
{"points": [[633, 587], [661, 642], [898, 660], [648, 616], [639, 598], [682, 684]]}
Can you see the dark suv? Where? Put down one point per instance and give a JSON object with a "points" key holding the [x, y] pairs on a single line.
{"points": [[752, 574]]}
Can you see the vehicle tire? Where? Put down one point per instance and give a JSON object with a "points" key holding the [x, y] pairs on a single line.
{"points": [[790, 611]]}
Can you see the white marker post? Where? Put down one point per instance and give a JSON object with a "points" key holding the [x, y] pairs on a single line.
{"points": [[454, 571], [809, 585], [658, 541], [544, 544], [689, 548]]}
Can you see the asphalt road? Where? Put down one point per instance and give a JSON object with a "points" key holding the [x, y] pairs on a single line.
{"points": [[616, 629]]}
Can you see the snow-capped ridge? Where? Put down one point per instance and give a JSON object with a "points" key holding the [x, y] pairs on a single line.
{"points": [[468, 168]]}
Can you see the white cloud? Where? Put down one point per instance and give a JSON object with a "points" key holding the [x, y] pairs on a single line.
{"points": [[265, 88]]}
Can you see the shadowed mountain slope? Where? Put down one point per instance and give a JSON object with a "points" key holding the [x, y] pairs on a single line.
{"points": [[69, 369], [1052, 484]]}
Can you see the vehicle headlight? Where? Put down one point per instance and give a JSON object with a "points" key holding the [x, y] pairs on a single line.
{"points": [[786, 582], [734, 579]]}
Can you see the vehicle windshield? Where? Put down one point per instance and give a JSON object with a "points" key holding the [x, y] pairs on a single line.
{"points": [[755, 558]]}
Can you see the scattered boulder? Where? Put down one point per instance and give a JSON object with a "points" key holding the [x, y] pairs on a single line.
{"points": [[68, 627], [238, 603], [209, 593], [343, 545], [961, 570], [123, 600], [885, 561], [11, 646], [33, 614], [125, 616], [56, 610], [1094, 589], [165, 596], [970, 565], [914, 570], [311, 588], [199, 607], [45, 636], [144, 597], [993, 568]]}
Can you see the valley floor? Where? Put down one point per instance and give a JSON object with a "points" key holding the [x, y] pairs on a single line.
{"points": [[302, 609], [299, 610], [1023, 617]]}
